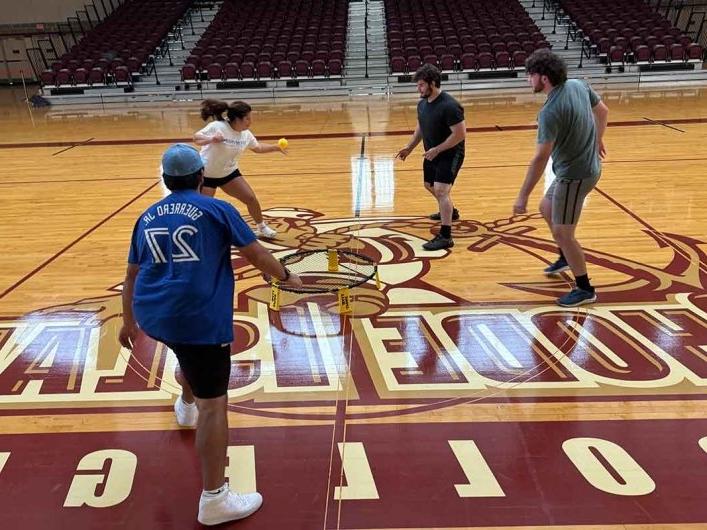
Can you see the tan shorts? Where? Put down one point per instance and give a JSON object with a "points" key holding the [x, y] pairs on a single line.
{"points": [[567, 196]]}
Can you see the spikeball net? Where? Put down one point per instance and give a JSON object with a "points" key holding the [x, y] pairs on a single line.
{"points": [[322, 271]]}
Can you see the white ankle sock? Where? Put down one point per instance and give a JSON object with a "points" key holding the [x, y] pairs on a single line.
{"points": [[213, 493]]}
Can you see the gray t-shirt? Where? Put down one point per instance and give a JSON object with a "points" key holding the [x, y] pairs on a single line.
{"points": [[567, 120]]}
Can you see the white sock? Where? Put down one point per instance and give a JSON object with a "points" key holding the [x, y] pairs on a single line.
{"points": [[262, 224], [213, 493]]}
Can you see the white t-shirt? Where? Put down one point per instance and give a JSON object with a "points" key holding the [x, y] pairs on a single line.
{"points": [[221, 159]]}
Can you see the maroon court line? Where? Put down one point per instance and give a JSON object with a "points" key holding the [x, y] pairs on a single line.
{"points": [[67, 247], [64, 181], [424, 402], [489, 128], [658, 122], [401, 170], [72, 146], [667, 241], [625, 209], [284, 414]]}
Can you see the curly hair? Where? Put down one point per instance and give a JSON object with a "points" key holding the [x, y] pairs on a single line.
{"points": [[544, 62], [429, 74]]}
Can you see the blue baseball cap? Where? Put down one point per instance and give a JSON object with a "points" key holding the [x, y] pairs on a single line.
{"points": [[180, 160]]}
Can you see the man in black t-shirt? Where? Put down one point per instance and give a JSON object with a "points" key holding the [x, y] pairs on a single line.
{"points": [[441, 127]]}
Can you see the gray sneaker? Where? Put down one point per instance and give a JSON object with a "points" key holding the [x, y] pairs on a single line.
{"points": [[559, 266], [577, 297]]}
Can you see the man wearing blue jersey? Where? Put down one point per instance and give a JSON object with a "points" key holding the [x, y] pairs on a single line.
{"points": [[571, 128], [179, 290]]}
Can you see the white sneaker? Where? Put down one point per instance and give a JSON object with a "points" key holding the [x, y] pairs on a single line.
{"points": [[227, 506], [265, 231], [187, 414]]}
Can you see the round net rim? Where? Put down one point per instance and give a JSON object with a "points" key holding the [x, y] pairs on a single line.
{"points": [[360, 278]]}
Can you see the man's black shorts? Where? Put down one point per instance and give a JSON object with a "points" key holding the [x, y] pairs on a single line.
{"points": [[206, 367], [444, 168], [217, 183]]}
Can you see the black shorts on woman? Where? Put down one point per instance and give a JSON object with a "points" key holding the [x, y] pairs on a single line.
{"points": [[219, 182]]}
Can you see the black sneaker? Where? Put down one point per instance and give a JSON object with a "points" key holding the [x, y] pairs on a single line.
{"points": [[559, 266], [438, 217], [439, 242]]}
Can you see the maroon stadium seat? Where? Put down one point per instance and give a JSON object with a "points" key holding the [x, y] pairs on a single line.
{"points": [[231, 71], [301, 68], [335, 67], [247, 70], [81, 76], [265, 70], [214, 72], [48, 78], [188, 72], [63, 77], [318, 68]]}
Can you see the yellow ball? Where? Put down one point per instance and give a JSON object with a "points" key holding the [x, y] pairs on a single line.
{"points": [[282, 142]]}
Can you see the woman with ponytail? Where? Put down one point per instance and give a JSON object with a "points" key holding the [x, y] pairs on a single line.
{"points": [[222, 142]]}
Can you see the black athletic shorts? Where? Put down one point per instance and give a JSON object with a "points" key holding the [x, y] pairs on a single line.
{"points": [[443, 168], [217, 183], [206, 367]]}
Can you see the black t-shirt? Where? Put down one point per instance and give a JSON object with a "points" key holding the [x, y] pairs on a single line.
{"points": [[436, 119]]}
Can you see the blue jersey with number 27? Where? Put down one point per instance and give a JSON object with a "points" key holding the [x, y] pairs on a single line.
{"points": [[184, 288]]}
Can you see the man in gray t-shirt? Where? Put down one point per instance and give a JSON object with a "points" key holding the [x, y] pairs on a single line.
{"points": [[571, 128]]}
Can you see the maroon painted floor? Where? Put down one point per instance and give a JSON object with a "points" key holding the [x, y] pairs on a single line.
{"points": [[411, 388]]}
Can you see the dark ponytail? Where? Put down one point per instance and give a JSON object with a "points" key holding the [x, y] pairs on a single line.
{"points": [[213, 108]]}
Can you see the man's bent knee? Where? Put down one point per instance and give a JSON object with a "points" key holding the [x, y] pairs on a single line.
{"points": [[563, 233]]}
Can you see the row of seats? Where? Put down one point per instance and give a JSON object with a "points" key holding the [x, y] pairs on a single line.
{"points": [[469, 56], [250, 39], [81, 77], [253, 23], [262, 70], [123, 41], [643, 54], [202, 61], [468, 62], [107, 61], [457, 35], [630, 31]]}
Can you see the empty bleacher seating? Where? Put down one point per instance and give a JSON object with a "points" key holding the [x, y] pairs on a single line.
{"points": [[460, 35], [630, 31], [117, 47], [253, 39]]}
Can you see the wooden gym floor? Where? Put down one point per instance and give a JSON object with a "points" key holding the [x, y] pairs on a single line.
{"points": [[456, 396]]}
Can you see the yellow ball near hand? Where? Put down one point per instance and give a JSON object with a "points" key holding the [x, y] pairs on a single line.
{"points": [[282, 142]]}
